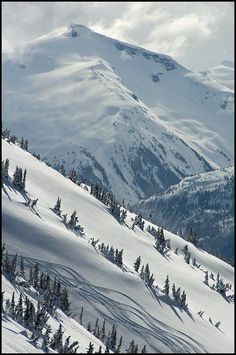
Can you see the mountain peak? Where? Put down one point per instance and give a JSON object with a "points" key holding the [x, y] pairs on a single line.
{"points": [[74, 29]]}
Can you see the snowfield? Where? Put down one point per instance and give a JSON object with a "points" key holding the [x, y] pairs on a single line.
{"points": [[106, 291]]}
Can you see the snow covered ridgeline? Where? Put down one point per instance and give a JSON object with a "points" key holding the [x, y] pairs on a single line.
{"points": [[152, 121], [204, 202], [101, 287]]}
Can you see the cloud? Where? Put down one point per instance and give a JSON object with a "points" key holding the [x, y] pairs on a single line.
{"points": [[199, 34]]}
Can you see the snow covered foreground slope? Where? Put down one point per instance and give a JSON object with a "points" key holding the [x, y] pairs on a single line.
{"points": [[135, 120], [21, 342], [105, 290], [204, 202]]}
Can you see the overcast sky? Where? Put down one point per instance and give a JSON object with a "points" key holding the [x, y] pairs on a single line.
{"points": [[198, 34]]}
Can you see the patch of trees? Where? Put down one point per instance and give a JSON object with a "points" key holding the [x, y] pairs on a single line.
{"points": [[19, 177], [112, 254], [73, 222], [161, 244], [219, 285], [139, 222], [109, 200], [23, 143], [110, 339], [145, 273], [51, 296]]}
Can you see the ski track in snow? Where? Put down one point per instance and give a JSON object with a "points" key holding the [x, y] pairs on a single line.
{"points": [[121, 312]]}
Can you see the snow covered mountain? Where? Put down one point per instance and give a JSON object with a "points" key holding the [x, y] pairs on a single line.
{"points": [[118, 294], [223, 74], [204, 202], [135, 120]]}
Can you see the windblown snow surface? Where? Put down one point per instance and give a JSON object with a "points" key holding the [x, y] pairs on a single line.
{"points": [[135, 120], [223, 73], [106, 291]]}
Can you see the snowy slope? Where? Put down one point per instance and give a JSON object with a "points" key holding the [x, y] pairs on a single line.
{"points": [[204, 202], [21, 342], [223, 74], [136, 120], [105, 290]]}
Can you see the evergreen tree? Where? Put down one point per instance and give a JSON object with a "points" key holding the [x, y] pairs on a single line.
{"points": [[19, 310], [26, 145], [56, 342], [35, 276], [142, 273], [32, 314], [64, 301], [131, 348], [119, 345], [13, 265], [103, 331], [137, 263], [173, 291], [150, 280], [144, 351], [17, 178], [22, 143], [111, 254], [113, 337], [99, 350], [90, 348], [5, 169], [73, 220], [185, 249], [206, 278], [119, 259], [89, 327], [183, 298], [27, 312], [95, 327], [146, 272], [57, 207], [46, 339], [217, 281], [167, 286], [187, 257], [177, 294], [72, 175]]}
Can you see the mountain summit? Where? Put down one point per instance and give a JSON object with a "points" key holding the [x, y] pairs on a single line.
{"points": [[134, 120]]}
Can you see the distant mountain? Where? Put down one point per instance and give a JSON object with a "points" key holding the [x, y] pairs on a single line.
{"points": [[134, 120], [204, 202]]}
